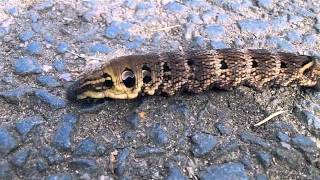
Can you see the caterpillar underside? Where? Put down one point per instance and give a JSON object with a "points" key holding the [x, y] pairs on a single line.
{"points": [[194, 71]]}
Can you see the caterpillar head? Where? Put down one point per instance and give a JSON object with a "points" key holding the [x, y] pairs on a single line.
{"points": [[309, 72], [121, 78]]}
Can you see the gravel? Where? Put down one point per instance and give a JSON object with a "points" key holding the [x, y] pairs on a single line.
{"points": [[45, 45]]}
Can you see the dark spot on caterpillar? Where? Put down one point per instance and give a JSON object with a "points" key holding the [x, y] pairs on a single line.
{"points": [[166, 68], [223, 65], [254, 64], [283, 65], [190, 62], [128, 78], [146, 74]]}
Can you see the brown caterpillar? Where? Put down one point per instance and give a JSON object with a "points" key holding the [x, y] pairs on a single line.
{"points": [[194, 71]]}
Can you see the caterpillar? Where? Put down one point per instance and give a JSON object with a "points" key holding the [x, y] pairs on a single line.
{"points": [[194, 71]]}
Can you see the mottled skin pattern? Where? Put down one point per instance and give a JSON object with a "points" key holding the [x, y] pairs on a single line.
{"points": [[194, 71]]}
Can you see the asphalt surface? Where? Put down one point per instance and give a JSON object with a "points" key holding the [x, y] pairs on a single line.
{"points": [[46, 45]]}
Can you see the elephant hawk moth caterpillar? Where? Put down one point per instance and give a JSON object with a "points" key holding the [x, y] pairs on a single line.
{"points": [[194, 71]]}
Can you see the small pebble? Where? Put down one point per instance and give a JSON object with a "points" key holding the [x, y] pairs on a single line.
{"points": [[283, 137], [194, 18], [133, 120], [60, 176], [16, 95], [62, 136], [26, 35], [294, 36], [292, 158], [214, 31], [144, 151], [12, 11], [62, 47], [253, 139], [38, 27], [304, 143], [34, 48], [24, 126], [219, 45], [175, 173], [158, 135], [43, 5], [309, 40], [99, 48], [175, 7], [230, 171], [7, 142], [121, 162], [48, 81], [59, 65], [88, 147], [83, 165], [261, 177], [253, 26], [264, 158], [135, 44], [5, 170], [199, 41], [41, 165], [223, 129], [267, 4], [278, 23], [27, 65], [202, 144], [20, 158], [53, 101], [112, 31], [48, 38], [51, 155], [223, 19]]}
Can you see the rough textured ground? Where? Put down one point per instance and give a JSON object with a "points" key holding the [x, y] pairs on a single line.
{"points": [[46, 44]]}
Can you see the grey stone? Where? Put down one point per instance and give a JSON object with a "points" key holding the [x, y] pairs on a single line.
{"points": [[281, 44], [304, 143], [99, 48], [175, 7], [199, 41], [267, 4], [5, 171], [53, 101], [44, 5], [310, 40], [16, 95], [194, 18], [294, 36], [121, 162], [60, 176], [48, 81], [219, 45], [34, 48], [51, 155], [27, 65], [214, 31], [144, 151], [63, 47], [253, 139], [264, 158], [227, 171], [59, 65], [83, 165], [283, 137], [159, 135], [223, 129], [62, 137], [20, 158], [133, 120], [202, 144], [254, 26], [24, 126], [26, 35], [7, 142], [261, 177], [175, 173], [88, 147], [278, 23]]}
